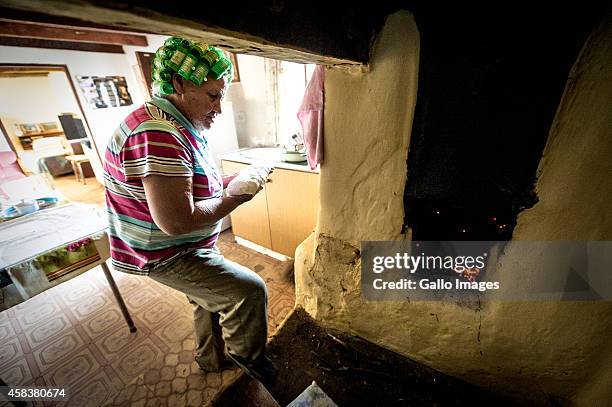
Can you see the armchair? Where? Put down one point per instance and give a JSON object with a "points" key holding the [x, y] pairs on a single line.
{"points": [[50, 153], [9, 170]]}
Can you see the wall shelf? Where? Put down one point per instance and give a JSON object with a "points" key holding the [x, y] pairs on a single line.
{"points": [[26, 139], [43, 134]]}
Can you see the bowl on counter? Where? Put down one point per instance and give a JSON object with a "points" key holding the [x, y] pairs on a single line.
{"points": [[25, 207], [293, 156]]}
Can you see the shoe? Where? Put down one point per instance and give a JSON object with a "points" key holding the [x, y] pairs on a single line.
{"points": [[225, 364], [261, 368]]}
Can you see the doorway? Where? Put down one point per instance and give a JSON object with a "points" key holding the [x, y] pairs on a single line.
{"points": [[43, 122]]}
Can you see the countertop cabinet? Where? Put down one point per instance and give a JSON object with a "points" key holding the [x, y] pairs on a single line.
{"points": [[283, 214]]}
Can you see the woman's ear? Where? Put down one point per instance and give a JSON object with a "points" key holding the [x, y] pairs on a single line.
{"points": [[177, 83]]}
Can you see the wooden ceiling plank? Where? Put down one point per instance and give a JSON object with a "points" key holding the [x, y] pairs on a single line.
{"points": [[78, 34], [68, 45]]}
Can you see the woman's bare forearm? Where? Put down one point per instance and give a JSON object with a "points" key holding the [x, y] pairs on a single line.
{"points": [[174, 211], [209, 211]]}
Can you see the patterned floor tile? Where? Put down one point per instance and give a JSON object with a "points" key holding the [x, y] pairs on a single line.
{"points": [[10, 351], [34, 315], [50, 352], [75, 290], [70, 371], [135, 394], [94, 303], [47, 330], [137, 360], [74, 335], [6, 329], [18, 373], [177, 330], [96, 390], [119, 340]]}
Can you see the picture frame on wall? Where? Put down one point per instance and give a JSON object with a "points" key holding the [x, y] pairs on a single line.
{"points": [[29, 128], [103, 92], [48, 126]]}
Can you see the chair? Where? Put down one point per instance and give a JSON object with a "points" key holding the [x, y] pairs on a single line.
{"points": [[94, 160], [9, 170], [9, 167], [50, 155], [50, 147]]}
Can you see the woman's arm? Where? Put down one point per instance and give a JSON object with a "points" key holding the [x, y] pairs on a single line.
{"points": [[172, 207]]}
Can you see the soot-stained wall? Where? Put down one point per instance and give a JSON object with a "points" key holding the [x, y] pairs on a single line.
{"points": [[489, 85], [547, 352]]}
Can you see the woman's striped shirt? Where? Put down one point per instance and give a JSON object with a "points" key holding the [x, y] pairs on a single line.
{"points": [[154, 139]]}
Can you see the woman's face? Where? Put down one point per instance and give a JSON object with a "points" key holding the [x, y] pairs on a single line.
{"points": [[200, 104]]}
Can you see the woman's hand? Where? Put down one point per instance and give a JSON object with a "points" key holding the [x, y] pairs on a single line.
{"points": [[228, 178]]}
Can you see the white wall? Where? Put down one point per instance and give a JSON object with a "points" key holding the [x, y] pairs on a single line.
{"points": [[34, 100], [66, 101], [252, 102], [101, 121]]}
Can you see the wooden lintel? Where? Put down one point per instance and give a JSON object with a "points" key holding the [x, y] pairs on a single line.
{"points": [[338, 39], [66, 33], [69, 45]]}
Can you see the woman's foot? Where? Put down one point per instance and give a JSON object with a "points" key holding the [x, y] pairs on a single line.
{"points": [[261, 368]]}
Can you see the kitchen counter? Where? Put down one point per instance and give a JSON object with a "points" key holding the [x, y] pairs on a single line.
{"points": [[269, 154]]}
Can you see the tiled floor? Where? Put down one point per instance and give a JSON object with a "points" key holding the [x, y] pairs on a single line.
{"points": [[74, 335]]}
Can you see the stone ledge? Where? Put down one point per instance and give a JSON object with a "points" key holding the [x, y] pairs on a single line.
{"points": [[352, 371]]}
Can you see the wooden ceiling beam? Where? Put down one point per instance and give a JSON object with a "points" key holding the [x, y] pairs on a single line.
{"points": [[25, 74], [54, 44], [22, 29], [290, 31], [35, 17]]}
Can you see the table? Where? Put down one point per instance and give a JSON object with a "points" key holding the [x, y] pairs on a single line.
{"points": [[76, 161], [26, 240]]}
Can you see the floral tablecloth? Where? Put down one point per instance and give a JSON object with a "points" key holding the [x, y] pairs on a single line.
{"points": [[34, 247]]}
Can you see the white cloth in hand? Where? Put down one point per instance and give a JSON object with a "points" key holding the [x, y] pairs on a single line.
{"points": [[249, 180]]}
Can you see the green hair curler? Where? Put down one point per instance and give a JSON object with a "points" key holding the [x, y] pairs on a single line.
{"points": [[162, 88], [192, 60]]}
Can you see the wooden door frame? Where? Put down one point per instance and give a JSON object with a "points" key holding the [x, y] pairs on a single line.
{"points": [[7, 137], [141, 58], [56, 68]]}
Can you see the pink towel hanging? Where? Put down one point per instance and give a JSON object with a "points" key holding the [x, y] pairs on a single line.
{"points": [[310, 116]]}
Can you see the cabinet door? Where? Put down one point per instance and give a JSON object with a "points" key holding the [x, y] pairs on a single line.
{"points": [[293, 201], [250, 220]]}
